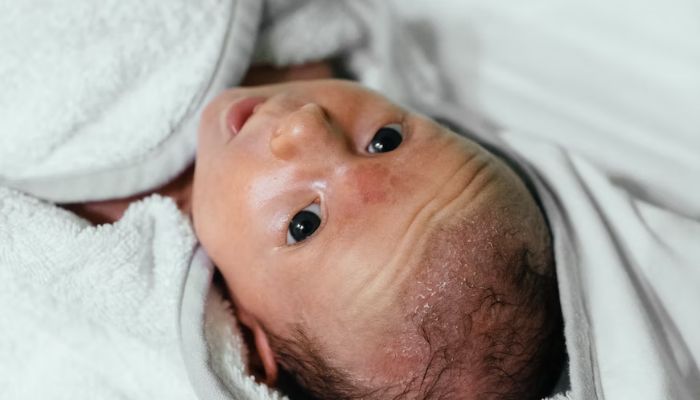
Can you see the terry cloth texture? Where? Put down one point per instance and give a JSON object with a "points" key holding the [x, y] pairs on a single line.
{"points": [[101, 99], [92, 312]]}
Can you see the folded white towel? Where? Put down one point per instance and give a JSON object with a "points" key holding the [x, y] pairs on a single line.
{"points": [[101, 99], [92, 312]]}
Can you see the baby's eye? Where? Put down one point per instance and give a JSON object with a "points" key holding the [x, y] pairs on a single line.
{"points": [[386, 139], [304, 224]]}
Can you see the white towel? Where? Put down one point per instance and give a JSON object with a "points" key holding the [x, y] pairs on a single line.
{"points": [[92, 312], [101, 99]]}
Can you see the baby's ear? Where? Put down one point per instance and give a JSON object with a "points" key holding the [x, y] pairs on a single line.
{"points": [[262, 346]]}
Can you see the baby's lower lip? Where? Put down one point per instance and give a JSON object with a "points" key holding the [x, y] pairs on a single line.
{"points": [[240, 111]]}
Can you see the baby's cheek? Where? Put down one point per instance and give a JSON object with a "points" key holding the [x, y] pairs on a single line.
{"points": [[210, 214]]}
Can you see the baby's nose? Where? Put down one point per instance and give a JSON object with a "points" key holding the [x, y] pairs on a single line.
{"points": [[303, 133]]}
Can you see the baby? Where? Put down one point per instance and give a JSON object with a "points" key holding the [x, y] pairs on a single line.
{"points": [[371, 252]]}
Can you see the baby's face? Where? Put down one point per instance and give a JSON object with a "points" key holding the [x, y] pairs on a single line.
{"points": [[316, 204]]}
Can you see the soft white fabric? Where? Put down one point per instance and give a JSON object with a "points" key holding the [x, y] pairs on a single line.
{"points": [[366, 35], [101, 99], [601, 100], [92, 312]]}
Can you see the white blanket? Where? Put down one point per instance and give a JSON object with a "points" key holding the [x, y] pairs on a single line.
{"points": [[92, 312], [100, 100]]}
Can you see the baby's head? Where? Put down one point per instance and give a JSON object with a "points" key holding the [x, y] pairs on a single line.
{"points": [[372, 252]]}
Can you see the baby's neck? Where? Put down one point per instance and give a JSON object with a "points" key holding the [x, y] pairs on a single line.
{"points": [[109, 211]]}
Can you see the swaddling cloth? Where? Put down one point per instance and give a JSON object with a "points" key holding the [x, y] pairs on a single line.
{"points": [[101, 99]]}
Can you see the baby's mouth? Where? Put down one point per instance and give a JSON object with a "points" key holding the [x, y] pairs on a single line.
{"points": [[239, 113]]}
